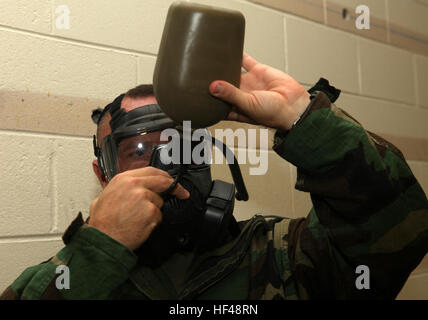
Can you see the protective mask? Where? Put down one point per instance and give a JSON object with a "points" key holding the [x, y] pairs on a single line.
{"points": [[200, 223]]}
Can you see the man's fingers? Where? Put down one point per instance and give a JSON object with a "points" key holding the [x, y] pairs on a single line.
{"points": [[248, 62], [157, 180], [180, 192], [146, 171], [230, 93], [160, 184], [154, 198], [235, 116]]}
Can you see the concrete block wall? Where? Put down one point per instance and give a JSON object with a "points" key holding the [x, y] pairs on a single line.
{"points": [[52, 78]]}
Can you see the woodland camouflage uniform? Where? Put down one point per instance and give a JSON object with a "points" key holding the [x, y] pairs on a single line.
{"points": [[368, 209]]}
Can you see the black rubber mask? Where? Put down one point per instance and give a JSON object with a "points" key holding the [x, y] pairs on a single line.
{"points": [[202, 222]]}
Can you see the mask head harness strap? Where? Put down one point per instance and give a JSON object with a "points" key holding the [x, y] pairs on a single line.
{"points": [[111, 107]]}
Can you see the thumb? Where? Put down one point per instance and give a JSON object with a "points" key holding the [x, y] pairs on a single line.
{"points": [[229, 93]]}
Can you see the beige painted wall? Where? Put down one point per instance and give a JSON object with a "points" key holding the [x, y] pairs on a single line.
{"points": [[51, 80]]}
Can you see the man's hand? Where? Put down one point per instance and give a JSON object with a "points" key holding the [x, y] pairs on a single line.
{"points": [[129, 208], [267, 96]]}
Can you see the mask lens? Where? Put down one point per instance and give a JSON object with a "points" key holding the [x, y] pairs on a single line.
{"points": [[135, 152]]}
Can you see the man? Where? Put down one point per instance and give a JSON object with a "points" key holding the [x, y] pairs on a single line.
{"points": [[368, 210]]}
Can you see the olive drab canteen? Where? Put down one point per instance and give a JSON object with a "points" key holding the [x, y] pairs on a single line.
{"points": [[200, 44]]}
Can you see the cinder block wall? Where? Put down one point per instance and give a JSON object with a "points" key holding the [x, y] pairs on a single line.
{"points": [[52, 78]]}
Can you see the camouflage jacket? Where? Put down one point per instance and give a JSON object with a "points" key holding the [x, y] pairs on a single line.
{"points": [[368, 209]]}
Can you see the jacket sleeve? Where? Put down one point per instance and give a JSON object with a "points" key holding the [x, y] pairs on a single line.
{"points": [[90, 266], [368, 208]]}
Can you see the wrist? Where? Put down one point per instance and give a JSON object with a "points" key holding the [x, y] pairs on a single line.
{"points": [[296, 111], [117, 236]]}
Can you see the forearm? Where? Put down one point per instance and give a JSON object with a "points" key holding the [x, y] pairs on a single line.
{"points": [[341, 163]]}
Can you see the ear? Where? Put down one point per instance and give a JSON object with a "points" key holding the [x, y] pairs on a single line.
{"points": [[101, 177]]}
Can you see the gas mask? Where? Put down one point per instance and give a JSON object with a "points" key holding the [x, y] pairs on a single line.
{"points": [[202, 222]]}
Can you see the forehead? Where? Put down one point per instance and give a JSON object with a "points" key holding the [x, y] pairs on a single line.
{"points": [[129, 104]]}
